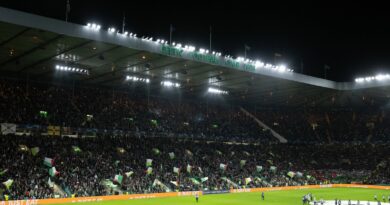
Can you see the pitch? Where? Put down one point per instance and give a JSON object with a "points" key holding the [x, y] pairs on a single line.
{"points": [[293, 197]]}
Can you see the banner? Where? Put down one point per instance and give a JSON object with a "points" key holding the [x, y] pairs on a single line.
{"points": [[53, 130], [8, 128]]}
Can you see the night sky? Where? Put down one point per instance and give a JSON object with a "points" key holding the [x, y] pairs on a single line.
{"points": [[353, 40]]}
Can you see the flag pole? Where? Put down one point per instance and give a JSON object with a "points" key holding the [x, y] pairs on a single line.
{"points": [[67, 10], [210, 37], [170, 34]]}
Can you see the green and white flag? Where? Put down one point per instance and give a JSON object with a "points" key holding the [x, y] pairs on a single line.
{"points": [[3, 172], [272, 168], [156, 151], [118, 179], [230, 182], [34, 151], [291, 174], [176, 170], [149, 162], [159, 183], [246, 153], [149, 170], [189, 168], [203, 179], [242, 163], [50, 183], [308, 176], [128, 174], [48, 162], [8, 183], [189, 153], [194, 181], [248, 180], [299, 174], [174, 183], [53, 172], [76, 149], [259, 168], [172, 155], [222, 167]]}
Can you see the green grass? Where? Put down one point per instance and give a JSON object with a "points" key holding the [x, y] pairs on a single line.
{"points": [[271, 198]]}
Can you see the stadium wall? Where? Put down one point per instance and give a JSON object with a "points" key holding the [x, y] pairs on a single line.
{"points": [[176, 194]]}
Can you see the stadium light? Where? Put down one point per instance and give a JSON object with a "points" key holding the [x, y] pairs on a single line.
{"points": [[217, 91], [379, 77], [111, 30], [72, 69], [93, 26], [137, 79], [170, 84]]}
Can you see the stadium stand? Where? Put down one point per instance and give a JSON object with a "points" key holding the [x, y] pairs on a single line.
{"points": [[186, 142]]}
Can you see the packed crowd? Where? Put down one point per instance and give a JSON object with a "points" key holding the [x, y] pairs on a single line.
{"points": [[215, 147], [83, 107], [100, 159]]}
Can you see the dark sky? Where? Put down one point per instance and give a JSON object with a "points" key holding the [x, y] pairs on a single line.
{"points": [[353, 40]]}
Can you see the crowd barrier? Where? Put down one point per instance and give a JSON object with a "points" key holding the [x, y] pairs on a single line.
{"points": [[173, 194]]}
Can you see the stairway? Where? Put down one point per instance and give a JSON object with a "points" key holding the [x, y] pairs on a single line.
{"points": [[263, 125]]}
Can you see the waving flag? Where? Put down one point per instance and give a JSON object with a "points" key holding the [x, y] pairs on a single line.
{"points": [[149, 162], [48, 162]]}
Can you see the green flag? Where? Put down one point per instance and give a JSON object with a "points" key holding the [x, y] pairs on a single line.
{"points": [[176, 170], [247, 180], [118, 178], [222, 167], [53, 172], [48, 162], [149, 170], [3, 172], [76, 149], [291, 174], [128, 174], [242, 163], [189, 168], [272, 168], [34, 151], [149, 162], [203, 179], [172, 155], [8, 183], [259, 168], [156, 151], [194, 181]]}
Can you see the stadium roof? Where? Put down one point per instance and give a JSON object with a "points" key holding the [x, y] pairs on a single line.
{"points": [[35, 46]]}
